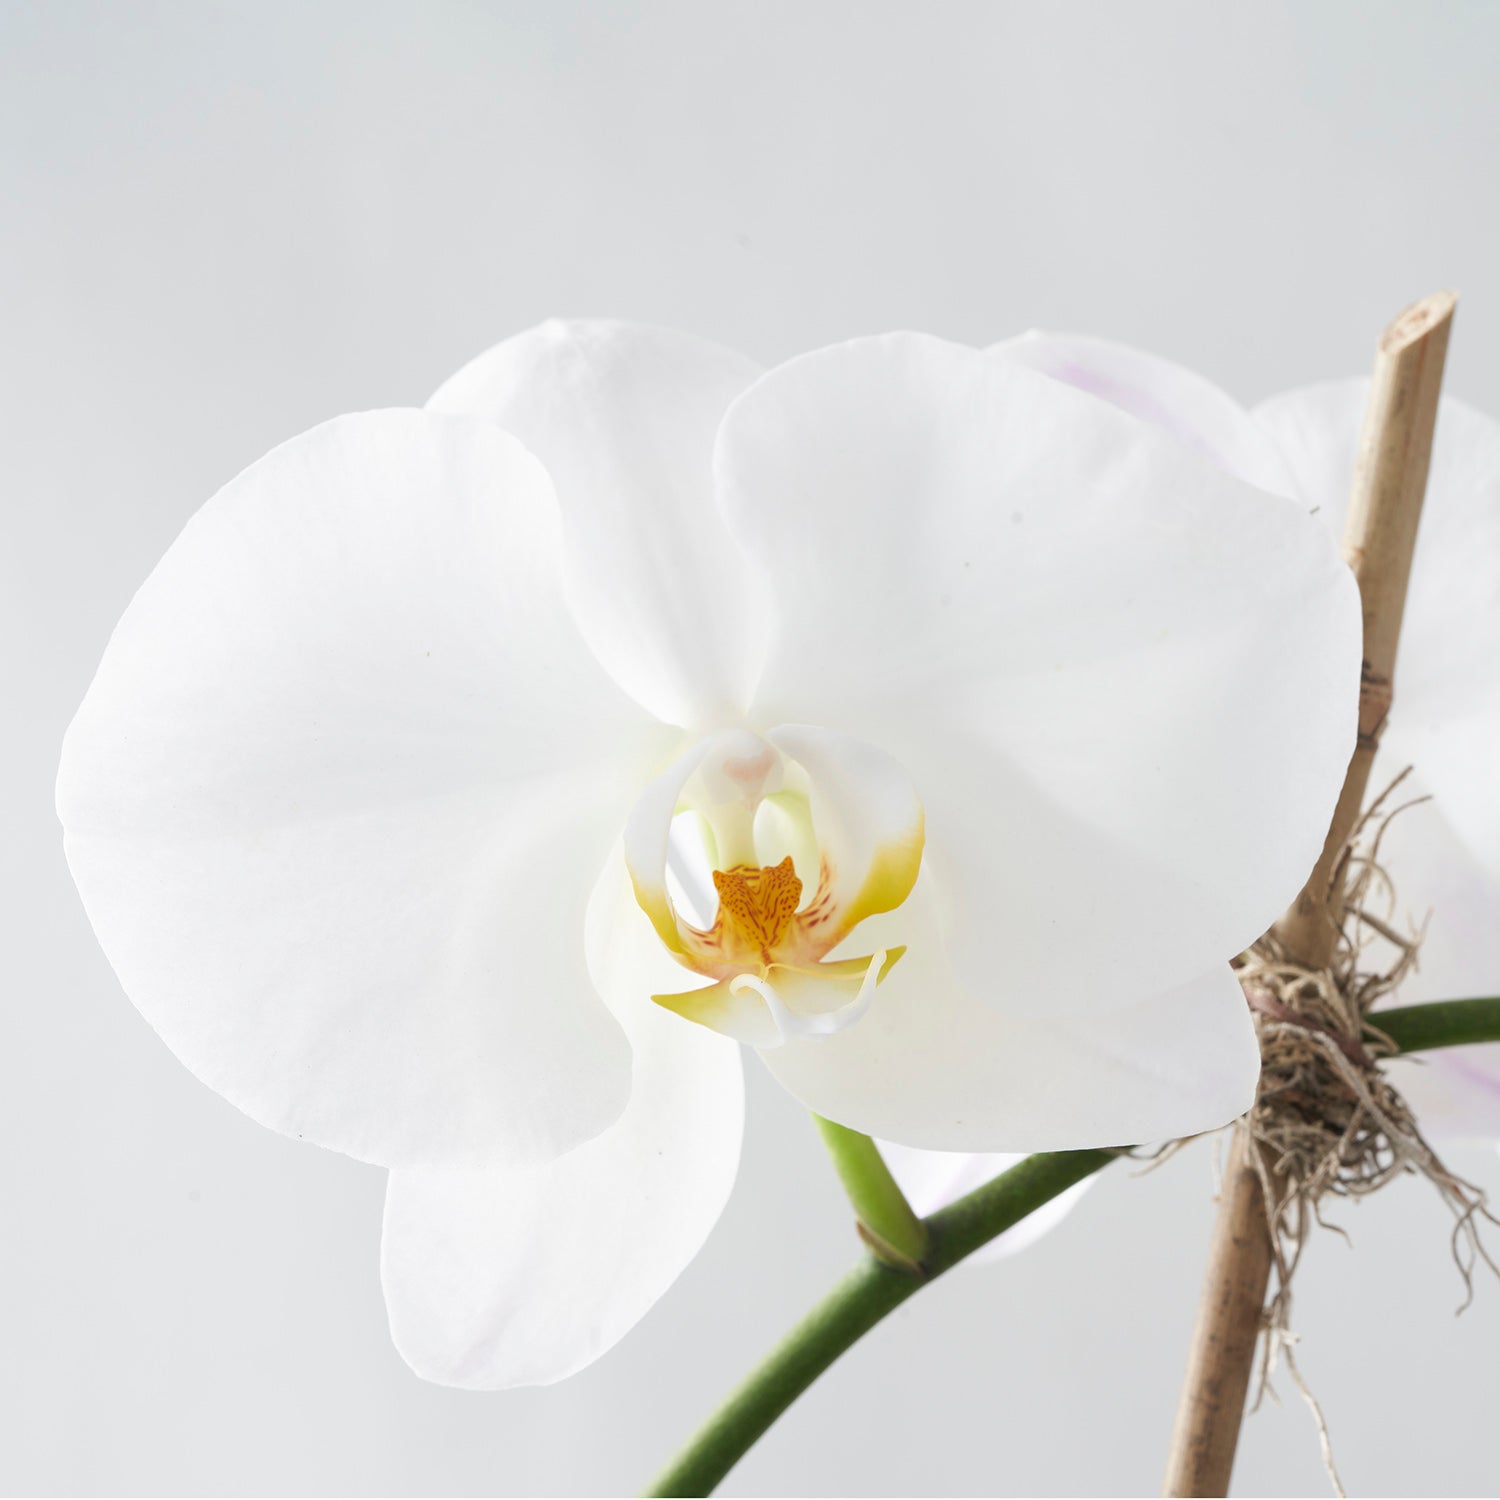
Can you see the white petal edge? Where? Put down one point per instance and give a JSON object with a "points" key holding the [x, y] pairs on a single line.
{"points": [[976, 567], [624, 416], [339, 791], [504, 1278], [933, 1066], [1169, 396]]}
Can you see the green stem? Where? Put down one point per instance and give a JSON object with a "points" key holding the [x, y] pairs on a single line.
{"points": [[872, 1290], [884, 1218], [1443, 1023], [856, 1305]]}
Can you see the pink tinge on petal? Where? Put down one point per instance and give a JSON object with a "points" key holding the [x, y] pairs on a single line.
{"points": [[1454, 1093], [1169, 396], [1138, 401]]}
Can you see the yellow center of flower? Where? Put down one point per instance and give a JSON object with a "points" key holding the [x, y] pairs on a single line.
{"points": [[767, 866], [758, 906]]}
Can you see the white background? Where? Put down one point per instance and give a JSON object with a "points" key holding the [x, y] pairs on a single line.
{"points": [[222, 223]]}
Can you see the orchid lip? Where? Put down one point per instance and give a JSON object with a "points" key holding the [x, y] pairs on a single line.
{"points": [[790, 1025]]}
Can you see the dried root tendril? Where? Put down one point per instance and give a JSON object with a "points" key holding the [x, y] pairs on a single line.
{"points": [[1326, 1120]]}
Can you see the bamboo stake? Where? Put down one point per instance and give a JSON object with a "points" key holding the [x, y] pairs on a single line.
{"points": [[1379, 536]]}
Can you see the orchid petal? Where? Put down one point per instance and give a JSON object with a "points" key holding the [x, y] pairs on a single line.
{"points": [[934, 1066], [624, 415], [648, 836], [1442, 894], [1454, 1093], [867, 818], [1169, 396], [1079, 639], [932, 1180], [499, 1278], [340, 788]]}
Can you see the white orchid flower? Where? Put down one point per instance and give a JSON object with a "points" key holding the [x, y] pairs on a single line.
{"points": [[899, 712], [1444, 854]]}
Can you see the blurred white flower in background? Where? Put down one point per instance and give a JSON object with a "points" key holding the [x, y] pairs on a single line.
{"points": [[1443, 855], [888, 710]]}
